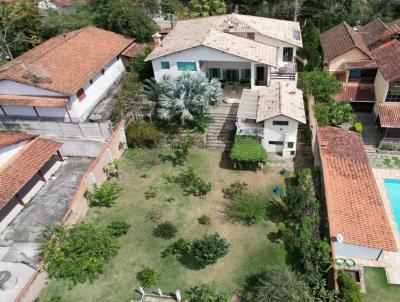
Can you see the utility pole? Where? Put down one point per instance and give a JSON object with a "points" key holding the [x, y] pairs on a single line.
{"points": [[296, 9]]}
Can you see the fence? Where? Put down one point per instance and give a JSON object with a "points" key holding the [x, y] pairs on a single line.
{"points": [[60, 129], [113, 149]]}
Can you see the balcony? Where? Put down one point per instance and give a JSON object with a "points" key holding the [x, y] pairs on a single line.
{"points": [[246, 130]]}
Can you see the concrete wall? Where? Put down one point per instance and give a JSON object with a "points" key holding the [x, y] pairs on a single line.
{"points": [[12, 87], [381, 87], [337, 64], [7, 152], [280, 133], [345, 250]]}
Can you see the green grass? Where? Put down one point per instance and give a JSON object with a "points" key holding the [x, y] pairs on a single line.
{"points": [[377, 287], [251, 250]]}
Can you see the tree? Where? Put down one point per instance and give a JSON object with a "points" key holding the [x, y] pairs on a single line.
{"points": [[311, 45], [204, 8], [320, 84], [208, 250], [148, 277], [188, 95], [78, 253], [19, 28], [276, 284], [206, 293], [142, 68], [349, 289]]}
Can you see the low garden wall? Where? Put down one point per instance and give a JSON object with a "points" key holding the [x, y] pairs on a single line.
{"points": [[113, 149]]}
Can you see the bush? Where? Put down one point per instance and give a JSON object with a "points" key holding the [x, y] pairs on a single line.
{"points": [[248, 208], [358, 127], [150, 192], [322, 114], [180, 148], [178, 248], [206, 293], [235, 189], [165, 230], [204, 219], [112, 169], [200, 123], [387, 147], [322, 85], [78, 253], [333, 113], [139, 66], [142, 134], [147, 277], [349, 289], [208, 250], [104, 195], [118, 228], [248, 151], [154, 215], [192, 183]]}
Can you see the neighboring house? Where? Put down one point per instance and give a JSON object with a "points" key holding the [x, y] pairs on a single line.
{"points": [[63, 78], [358, 223], [241, 51], [25, 160], [273, 114]]}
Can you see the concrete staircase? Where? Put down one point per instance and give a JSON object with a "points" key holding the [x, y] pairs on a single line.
{"points": [[221, 131]]}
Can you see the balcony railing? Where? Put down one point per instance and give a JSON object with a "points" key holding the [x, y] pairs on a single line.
{"points": [[249, 131]]}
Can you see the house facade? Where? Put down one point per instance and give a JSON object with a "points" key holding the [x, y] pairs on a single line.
{"points": [[63, 78], [25, 163]]}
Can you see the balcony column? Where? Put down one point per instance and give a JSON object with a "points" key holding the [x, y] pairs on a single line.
{"points": [[252, 75]]}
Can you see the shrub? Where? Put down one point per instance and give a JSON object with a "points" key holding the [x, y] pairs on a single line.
{"points": [[204, 219], [349, 289], [154, 215], [165, 230], [118, 228], [192, 183], [180, 148], [178, 248], [387, 147], [139, 66], [208, 250], [103, 195], [112, 169], [358, 127], [321, 114], [248, 208], [142, 134], [247, 150], [148, 277], [206, 293], [322, 85], [201, 122], [333, 113], [78, 253], [234, 190], [150, 192]]}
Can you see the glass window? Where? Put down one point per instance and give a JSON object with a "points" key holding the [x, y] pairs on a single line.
{"points": [[165, 65], [245, 74], [275, 143], [214, 73], [280, 123], [231, 75], [186, 66], [393, 94], [287, 54], [251, 36], [290, 145]]}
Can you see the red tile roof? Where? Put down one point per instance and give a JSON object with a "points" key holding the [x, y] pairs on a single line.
{"points": [[373, 31], [134, 49], [355, 91], [32, 100], [367, 64], [11, 138], [389, 114], [387, 57], [355, 207], [23, 165], [66, 62], [340, 39]]}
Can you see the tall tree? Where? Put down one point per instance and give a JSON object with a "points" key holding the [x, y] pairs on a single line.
{"points": [[311, 47], [204, 8]]}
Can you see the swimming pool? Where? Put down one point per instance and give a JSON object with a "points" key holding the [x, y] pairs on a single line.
{"points": [[393, 189]]}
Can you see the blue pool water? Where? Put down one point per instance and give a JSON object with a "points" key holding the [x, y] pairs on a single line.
{"points": [[393, 189]]}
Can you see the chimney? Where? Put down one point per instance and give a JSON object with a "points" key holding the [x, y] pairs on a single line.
{"points": [[157, 39]]}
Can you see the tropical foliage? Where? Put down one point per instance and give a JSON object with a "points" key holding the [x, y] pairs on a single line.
{"points": [[349, 289], [319, 84], [247, 150], [103, 195]]}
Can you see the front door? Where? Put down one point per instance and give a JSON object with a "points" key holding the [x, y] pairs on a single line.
{"points": [[260, 73]]}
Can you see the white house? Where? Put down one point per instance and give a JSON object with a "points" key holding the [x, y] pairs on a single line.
{"points": [[63, 78], [241, 51], [273, 114]]}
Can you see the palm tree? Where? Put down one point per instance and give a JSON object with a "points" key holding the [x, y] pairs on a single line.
{"points": [[185, 97]]}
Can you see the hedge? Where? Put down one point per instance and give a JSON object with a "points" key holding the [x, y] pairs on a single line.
{"points": [[248, 150]]}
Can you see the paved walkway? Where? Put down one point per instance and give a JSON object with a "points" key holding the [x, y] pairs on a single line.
{"points": [[370, 133]]}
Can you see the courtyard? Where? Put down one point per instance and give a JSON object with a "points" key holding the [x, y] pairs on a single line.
{"points": [[252, 247]]}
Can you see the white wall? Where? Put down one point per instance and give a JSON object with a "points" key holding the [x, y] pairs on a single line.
{"points": [[12, 87], [7, 152], [345, 250], [381, 87], [280, 133], [18, 111]]}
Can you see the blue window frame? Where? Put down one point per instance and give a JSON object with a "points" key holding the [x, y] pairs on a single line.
{"points": [[186, 66], [165, 65]]}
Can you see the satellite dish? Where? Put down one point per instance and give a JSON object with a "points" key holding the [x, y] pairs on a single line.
{"points": [[339, 238]]}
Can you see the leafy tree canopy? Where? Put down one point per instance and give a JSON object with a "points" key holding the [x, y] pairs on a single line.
{"points": [[203, 8], [206, 293], [320, 84]]}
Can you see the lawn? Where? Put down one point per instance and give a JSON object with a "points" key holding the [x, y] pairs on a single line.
{"points": [[377, 287], [251, 249]]}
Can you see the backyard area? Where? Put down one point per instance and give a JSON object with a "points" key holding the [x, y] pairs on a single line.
{"points": [[147, 196], [377, 287]]}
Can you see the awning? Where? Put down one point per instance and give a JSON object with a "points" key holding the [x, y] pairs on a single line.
{"points": [[360, 64], [33, 100]]}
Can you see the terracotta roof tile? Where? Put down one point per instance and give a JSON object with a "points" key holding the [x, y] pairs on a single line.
{"points": [[11, 138], [387, 57], [66, 62], [132, 50], [373, 31], [355, 207], [389, 114], [355, 91], [340, 39], [23, 165], [368, 64], [32, 100]]}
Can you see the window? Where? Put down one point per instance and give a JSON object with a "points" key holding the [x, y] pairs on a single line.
{"points": [[287, 54], [186, 66], [280, 123], [81, 94], [275, 143], [245, 74], [231, 75], [214, 73], [292, 152], [290, 145], [165, 65], [91, 81], [103, 71], [251, 36], [393, 94]]}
